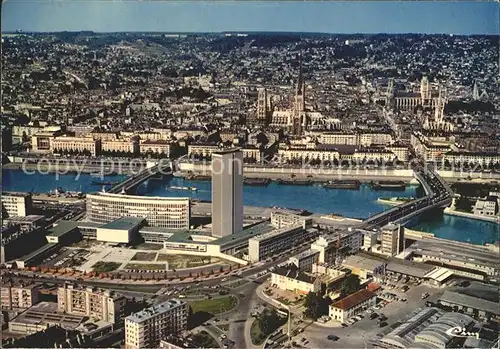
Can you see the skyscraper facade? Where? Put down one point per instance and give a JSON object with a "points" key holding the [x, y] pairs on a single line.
{"points": [[227, 192]]}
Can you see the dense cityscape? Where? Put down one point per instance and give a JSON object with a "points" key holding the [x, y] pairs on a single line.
{"points": [[248, 189]]}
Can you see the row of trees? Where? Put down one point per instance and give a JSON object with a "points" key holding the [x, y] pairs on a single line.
{"points": [[338, 162], [85, 152]]}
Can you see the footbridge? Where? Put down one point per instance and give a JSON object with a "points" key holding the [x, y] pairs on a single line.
{"points": [[163, 167], [437, 195]]}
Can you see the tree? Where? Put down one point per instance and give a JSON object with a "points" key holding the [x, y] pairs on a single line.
{"points": [[269, 321], [349, 285], [316, 305]]}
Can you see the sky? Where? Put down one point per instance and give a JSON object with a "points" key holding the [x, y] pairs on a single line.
{"points": [[446, 17]]}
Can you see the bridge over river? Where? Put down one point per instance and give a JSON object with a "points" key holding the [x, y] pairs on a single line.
{"points": [[438, 195], [132, 182]]}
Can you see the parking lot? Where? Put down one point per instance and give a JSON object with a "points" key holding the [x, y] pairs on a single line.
{"points": [[68, 258], [358, 334]]}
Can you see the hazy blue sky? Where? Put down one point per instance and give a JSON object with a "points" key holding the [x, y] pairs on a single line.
{"points": [[196, 16]]}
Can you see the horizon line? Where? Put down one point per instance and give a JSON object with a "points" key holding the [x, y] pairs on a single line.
{"points": [[22, 31]]}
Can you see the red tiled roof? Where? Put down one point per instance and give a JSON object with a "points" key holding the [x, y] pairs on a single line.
{"points": [[372, 286], [354, 299]]}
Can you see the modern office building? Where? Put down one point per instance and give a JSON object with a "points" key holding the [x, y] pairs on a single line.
{"points": [[227, 192], [19, 296], [122, 230], [148, 327], [16, 204], [99, 304], [393, 239], [164, 212]]}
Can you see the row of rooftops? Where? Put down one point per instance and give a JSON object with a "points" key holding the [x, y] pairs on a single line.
{"points": [[291, 271]]}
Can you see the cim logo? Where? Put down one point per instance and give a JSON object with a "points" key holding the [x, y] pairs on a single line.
{"points": [[461, 332]]}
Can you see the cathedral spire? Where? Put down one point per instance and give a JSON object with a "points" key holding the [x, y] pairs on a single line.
{"points": [[300, 81]]}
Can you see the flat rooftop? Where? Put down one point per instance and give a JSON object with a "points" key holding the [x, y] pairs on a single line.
{"points": [[154, 310], [185, 236], [246, 233], [45, 313], [410, 268], [462, 252], [32, 218], [63, 228], [470, 301], [123, 223], [277, 232], [44, 248], [15, 193]]}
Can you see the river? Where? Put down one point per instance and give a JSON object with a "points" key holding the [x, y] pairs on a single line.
{"points": [[314, 198]]}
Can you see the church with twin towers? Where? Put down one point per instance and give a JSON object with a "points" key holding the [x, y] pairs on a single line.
{"points": [[295, 119]]}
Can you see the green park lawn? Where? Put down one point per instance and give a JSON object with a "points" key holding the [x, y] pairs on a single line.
{"points": [[214, 305]]}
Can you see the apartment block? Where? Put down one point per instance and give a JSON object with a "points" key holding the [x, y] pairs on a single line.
{"points": [[19, 296], [393, 239], [16, 204], [267, 245], [95, 303], [148, 327], [335, 245], [282, 219]]}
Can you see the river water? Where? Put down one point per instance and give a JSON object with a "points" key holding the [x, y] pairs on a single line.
{"points": [[314, 198]]}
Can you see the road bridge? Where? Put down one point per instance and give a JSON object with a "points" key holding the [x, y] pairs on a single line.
{"points": [[163, 167], [438, 195]]}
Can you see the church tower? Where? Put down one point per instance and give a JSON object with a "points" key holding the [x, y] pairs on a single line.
{"points": [[389, 96], [300, 90], [439, 111], [299, 105], [262, 110], [425, 90], [475, 92]]}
